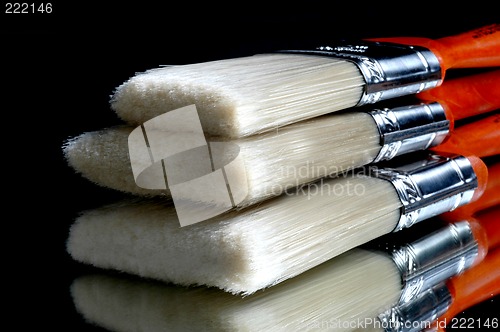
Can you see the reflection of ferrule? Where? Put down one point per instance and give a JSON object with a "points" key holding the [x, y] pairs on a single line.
{"points": [[390, 70], [418, 314], [429, 187], [435, 258], [410, 128]]}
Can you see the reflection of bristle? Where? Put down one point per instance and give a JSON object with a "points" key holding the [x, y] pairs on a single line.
{"points": [[241, 251], [243, 96], [344, 291]]}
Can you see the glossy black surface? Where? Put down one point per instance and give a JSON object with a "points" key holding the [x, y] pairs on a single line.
{"points": [[58, 72]]}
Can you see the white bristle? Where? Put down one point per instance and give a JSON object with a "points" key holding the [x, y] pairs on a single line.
{"points": [[241, 251], [308, 151], [102, 157], [342, 294], [274, 162], [243, 96]]}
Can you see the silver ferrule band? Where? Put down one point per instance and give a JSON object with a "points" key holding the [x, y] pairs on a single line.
{"points": [[411, 128], [434, 258], [390, 70], [418, 314], [429, 187]]}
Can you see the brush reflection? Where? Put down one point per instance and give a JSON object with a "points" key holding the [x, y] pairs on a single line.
{"points": [[340, 295]]}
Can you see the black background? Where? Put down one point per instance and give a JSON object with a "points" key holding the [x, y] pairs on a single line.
{"points": [[59, 69]]}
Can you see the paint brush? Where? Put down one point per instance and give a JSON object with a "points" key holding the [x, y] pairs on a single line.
{"points": [[438, 305], [247, 250], [304, 152], [488, 199], [343, 292], [249, 95]]}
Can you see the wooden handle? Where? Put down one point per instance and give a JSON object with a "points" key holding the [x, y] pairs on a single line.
{"points": [[472, 49], [486, 230], [480, 138], [475, 140], [489, 220], [467, 96], [476, 48]]}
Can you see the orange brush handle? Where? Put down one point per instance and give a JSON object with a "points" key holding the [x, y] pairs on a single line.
{"points": [[466, 96], [489, 220], [480, 138], [486, 231], [474, 286], [472, 49], [474, 141]]}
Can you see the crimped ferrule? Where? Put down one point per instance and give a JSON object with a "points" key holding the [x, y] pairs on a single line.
{"points": [[418, 314], [390, 70], [411, 128], [435, 258], [429, 187]]}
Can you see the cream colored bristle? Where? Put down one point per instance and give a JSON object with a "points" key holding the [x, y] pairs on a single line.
{"points": [[274, 162], [240, 251], [243, 96], [341, 295], [300, 153], [102, 157]]}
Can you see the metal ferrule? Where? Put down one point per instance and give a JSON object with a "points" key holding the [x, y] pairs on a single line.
{"points": [[429, 187], [390, 70], [418, 314], [435, 258], [410, 128]]}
